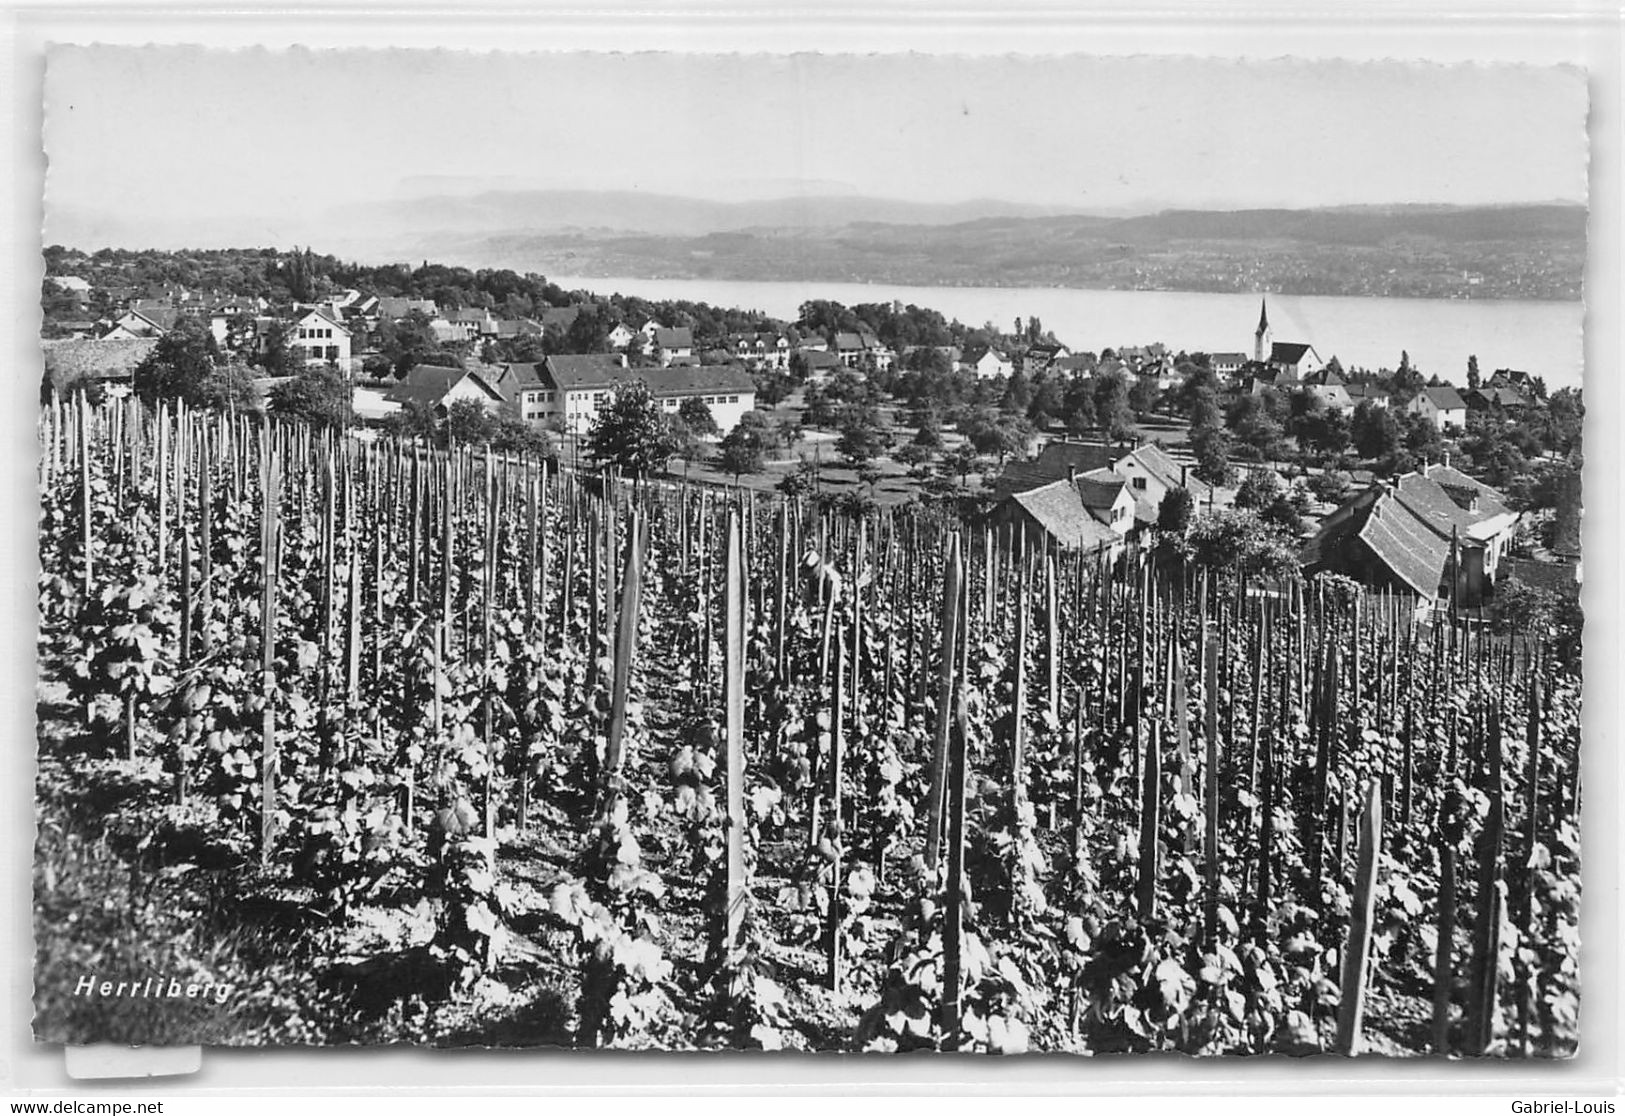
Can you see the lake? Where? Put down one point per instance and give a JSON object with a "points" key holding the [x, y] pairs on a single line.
{"points": [[1540, 337]]}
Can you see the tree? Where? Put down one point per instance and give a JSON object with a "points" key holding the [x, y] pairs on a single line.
{"points": [[1259, 489], [1406, 381], [862, 438], [178, 365], [800, 481], [319, 396], [230, 388], [1211, 445], [515, 435], [1374, 431], [741, 451], [915, 456], [414, 420], [1472, 372], [1203, 407], [1142, 396], [1078, 406], [1175, 512], [1256, 421], [630, 433], [1000, 435], [1330, 487], [1018, 393], [1049, 400], [929, 434], [1113, 413], [280, 356], [1240, 540], [772, 386], [962, 461], [469, 423], [698, 418]]}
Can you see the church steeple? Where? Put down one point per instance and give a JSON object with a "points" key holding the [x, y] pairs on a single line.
{"points": [[1261, 336]]}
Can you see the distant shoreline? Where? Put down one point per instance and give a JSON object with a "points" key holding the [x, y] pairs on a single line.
{"points": [[991, 284]]}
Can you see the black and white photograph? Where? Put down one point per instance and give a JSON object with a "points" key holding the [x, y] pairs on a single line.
{"points": [[1072, 554]]}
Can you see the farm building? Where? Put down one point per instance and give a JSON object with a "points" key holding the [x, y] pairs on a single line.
{"points": [[1437, 534], [1055, 515], [112, 363]]}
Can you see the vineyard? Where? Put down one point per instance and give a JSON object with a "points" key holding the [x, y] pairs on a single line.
{"points": [[437, 747]]}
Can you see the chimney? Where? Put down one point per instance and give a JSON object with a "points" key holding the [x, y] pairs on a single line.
{"points": [[1072, 474], [1184, 476]]}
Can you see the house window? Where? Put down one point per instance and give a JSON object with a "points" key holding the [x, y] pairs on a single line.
{"points": [[733, 398], [1139, 483], [597, 398]]}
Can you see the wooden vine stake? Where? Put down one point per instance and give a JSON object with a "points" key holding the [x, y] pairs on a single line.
{"points": [[1210, 797], [945, 692], [1150, 817], [621, 668], [1357, 953], [733, 685], [269, 532], [1485, 970], [953, 915], [837, 748]]}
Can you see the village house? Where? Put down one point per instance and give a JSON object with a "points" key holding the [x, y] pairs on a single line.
{"points": [[1147, 474], [1227, 364], [134, 324], [1442, 406], [476, 321], [1107, 497], [437, 388], [508, 328], [819, 366], [990, 364], [848, 348], [811, 341], [1054, 514], [573, 388], [675, 345], [1509, 400], [1330, 388], [1366, 393], [1040, 355], [620, 337], [525, 394], [445, 333], [1519, 381], [763, 350], [322, 339], [1435, 534], [1076, 364]]}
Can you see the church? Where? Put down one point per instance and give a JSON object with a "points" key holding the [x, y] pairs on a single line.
{"points": [[1284, 361]]}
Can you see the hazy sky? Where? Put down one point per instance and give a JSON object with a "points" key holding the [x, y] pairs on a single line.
{"points": [[181, 134]]}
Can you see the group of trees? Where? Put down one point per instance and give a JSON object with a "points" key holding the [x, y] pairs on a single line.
{"points": [[187, 365], [636, 436]]}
